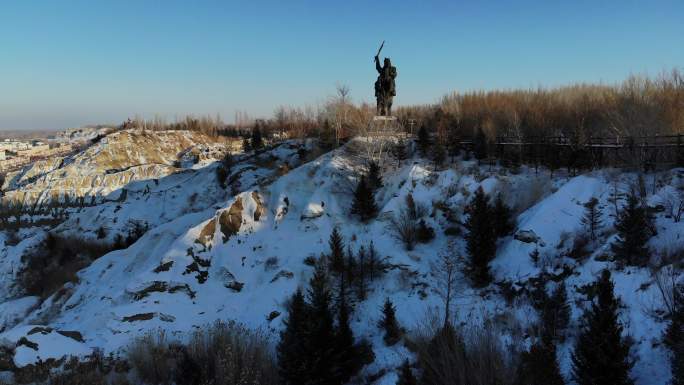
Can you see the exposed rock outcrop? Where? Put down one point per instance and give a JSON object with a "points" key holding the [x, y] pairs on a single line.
{"points": [[247, 207], [104, 167]]}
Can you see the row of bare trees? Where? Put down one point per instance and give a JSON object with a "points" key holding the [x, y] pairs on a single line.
{"points": [[638, 107], [334, 120]]}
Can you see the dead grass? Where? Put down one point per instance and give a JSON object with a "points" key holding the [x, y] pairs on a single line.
{"points": [[464, 355], [220, 354], [56, 260]]}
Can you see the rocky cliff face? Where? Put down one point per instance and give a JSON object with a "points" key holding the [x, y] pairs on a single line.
{"points": [[115, 161]]}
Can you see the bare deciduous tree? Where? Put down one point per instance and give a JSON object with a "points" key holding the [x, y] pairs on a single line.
{"points": [[445, 271], [403, 227], [665, 279], [341, 110], [674, 205]]}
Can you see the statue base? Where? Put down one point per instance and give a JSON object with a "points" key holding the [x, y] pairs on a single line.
{"points": [[384, 118], [385, 126], [381, 133]]}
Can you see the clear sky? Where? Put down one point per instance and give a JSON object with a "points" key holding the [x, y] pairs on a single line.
{"points": [[69, 63]]}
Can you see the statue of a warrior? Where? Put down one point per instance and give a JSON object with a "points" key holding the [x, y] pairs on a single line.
{"points": [[385, 90]]}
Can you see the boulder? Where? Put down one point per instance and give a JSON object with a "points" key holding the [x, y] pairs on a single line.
{"points": [[230, 220], [526, 236]]}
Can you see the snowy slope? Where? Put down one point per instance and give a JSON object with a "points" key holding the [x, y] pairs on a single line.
{"points": [[151, 202], [242, 256]]}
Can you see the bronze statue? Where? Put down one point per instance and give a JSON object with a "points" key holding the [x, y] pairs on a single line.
{"points": [[385, 90]]}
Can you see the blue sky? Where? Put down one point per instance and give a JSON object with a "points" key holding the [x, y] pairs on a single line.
{"points": [[69, 63]]}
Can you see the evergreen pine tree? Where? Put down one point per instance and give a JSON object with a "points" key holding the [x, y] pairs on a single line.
{"points": [[292, 350], [361, 284], [350, 267], [556, 313], [480, 145], [101, 232], [257, 141], [411, 207], [680, 152], [336, 252], [374, 176], [373, 268], [592, 217], [400, 151], [423, 141], [633, 232], [364, 202], [424, 233], [601, 355], [406, 376], [246, 145], [553, 157], [480, 239], [539, 365], [389, 324], [453, 143], [438, 155], [348, 362], [503, 217], [321, 349], [674, 337]]}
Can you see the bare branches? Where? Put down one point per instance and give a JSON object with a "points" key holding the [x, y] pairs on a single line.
{"points": [[640, 106], [665, 279], [674, 205], [405, 224], [403, 227], [445, 271]]}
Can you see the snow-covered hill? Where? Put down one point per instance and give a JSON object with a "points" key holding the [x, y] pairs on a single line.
{"points": [[108, 165], [211, 255]]}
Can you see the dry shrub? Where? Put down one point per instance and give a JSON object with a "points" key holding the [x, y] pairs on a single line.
{"points": [[153, 358], [674, 204], [37, 373], [403, 227], [665, 280], [407, 226], [56, 260], [580, 248], [470, 356], [80, 376], [225, 353], [228, 353], [95, 369]]}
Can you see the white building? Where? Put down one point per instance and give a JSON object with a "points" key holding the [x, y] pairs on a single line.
{"points": [[13, 145]]}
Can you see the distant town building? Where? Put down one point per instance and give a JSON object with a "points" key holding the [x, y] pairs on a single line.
{"points": [[13, 145], [15, 153], [38, 150]]}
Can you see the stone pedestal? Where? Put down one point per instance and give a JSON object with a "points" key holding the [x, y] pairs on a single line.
{"points": [[384, 118]]}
